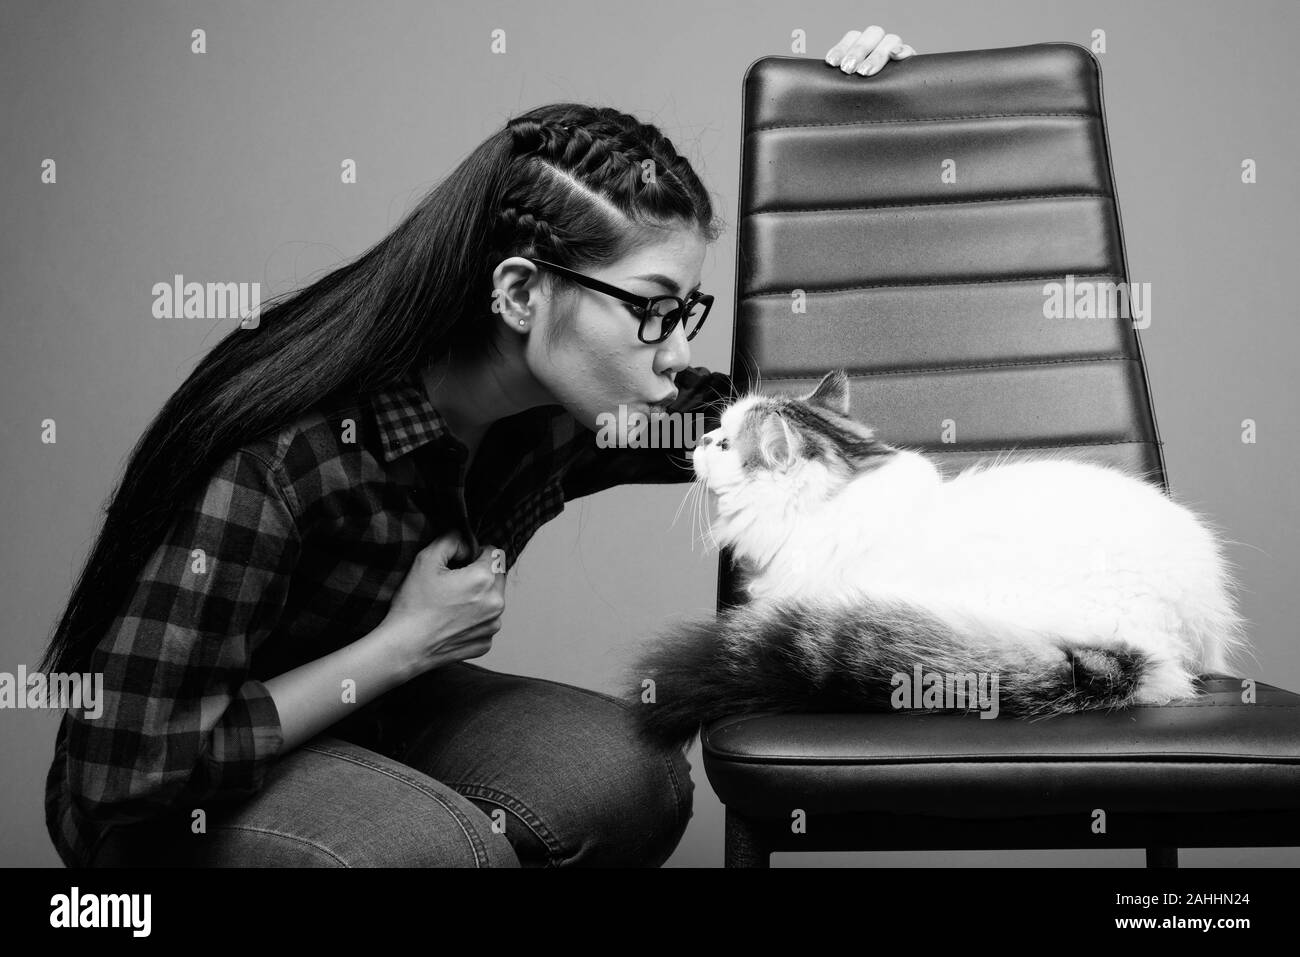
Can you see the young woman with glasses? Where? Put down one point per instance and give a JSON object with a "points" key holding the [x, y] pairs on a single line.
{"points": [[311, 540]]}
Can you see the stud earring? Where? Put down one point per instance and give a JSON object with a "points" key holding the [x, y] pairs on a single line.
{"points": [[521, 322]]}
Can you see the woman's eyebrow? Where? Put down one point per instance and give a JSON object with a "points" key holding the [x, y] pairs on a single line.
{"points": [[665, 282]]}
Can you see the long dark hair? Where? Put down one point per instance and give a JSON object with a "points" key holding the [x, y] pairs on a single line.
{"points": [[578, 185]]}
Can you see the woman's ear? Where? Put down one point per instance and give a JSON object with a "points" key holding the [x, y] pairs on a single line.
{"points": [[777, 443], [516, 288]]}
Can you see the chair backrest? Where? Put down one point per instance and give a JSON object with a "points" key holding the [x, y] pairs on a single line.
{"points": [[907, 228]]}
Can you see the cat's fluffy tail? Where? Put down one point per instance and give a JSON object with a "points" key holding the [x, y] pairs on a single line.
{"points": [[794, 656]]}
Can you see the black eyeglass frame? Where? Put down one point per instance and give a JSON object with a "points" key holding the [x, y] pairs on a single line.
{"points": [[644, 303]]}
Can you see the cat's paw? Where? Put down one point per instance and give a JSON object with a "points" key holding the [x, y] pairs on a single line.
{"points": [[1165, 682]]}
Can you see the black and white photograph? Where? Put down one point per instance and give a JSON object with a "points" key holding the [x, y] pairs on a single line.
{"points": [[694, 435]]}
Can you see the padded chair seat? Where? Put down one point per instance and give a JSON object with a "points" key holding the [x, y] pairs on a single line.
{"points": [[1209, 754]]}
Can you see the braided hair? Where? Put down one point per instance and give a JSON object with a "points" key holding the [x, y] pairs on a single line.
{"points": [[586, 185]]}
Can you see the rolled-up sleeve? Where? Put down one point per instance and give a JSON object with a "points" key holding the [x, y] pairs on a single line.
{"points": [[182, 719], [592, 468]]}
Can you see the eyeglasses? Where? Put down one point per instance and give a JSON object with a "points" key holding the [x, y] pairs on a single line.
{"points": [[659, 315]]}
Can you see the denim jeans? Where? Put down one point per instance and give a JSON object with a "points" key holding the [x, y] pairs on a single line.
{"points": [[465, 767]]}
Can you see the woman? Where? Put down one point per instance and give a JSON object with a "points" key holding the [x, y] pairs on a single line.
{"points": [[311, 540]]}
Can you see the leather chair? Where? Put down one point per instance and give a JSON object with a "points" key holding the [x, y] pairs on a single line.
{"points": [[930, 294]]}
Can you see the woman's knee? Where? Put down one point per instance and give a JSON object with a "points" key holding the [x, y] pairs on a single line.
{"points": [[329, 803], [563, 766], [665, 812], [633, 815]]}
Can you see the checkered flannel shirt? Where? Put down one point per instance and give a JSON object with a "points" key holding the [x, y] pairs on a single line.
{"points": [[305, 536]]}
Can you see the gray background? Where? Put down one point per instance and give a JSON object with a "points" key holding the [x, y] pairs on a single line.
{"points": [[225, 166]]}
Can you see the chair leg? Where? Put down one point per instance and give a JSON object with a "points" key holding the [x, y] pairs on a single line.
{"points": [[1162, 857], [743, 845]]}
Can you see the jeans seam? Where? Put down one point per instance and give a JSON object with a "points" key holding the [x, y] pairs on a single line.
{"points": [[553, 849], [457, 814], [682, 817], [292, 837]]}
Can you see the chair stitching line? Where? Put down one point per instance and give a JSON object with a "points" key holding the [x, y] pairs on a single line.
{"points": [[1046, 757], [1034, 445], [938, 202], [933, 282], [962, 368], [909, 119], [1044, 760], [457, 814]]}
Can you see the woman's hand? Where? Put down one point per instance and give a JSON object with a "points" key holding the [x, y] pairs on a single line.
{"points": [[441, 614], [865, 52]]}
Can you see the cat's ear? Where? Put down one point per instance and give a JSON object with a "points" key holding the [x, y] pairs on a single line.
{"points": [[777, 442], [831, 393]]}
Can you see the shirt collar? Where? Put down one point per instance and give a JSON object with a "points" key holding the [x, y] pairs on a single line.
{"points": [[407, 419]]}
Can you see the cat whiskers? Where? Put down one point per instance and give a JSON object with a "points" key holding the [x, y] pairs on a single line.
{"points": [[698, 509], [685, 498], [702, 514]]}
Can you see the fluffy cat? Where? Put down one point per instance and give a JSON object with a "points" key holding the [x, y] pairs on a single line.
{"points": [[1078, 585]]}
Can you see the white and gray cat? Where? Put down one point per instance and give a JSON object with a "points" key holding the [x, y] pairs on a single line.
{"points": [[1079, 585]]}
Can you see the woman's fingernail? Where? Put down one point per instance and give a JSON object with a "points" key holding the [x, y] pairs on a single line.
{"points": [[870, 71], [847, 65]]}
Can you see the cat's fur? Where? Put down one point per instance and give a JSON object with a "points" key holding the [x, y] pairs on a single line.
{"points": [[1080, 585]]}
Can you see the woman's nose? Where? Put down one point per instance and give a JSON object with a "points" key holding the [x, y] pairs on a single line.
{"points": [[677, 348]]}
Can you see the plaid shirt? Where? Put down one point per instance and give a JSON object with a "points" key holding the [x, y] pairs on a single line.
{"points": [[293, 549]]}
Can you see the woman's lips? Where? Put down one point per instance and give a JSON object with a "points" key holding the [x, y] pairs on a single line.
{"points": [[661, 405]]}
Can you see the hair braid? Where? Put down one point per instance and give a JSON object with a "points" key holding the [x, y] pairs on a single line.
{"points": [[523, 230], [583, 186]]}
